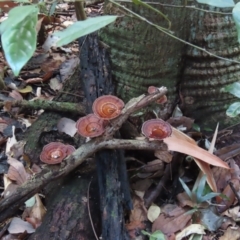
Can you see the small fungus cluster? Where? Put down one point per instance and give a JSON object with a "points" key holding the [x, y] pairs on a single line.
{"points": [[152, 90], [156, 129], [55, 152], [104, 108]]}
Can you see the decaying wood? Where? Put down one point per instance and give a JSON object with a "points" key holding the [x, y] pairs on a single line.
{"points": [[63, 107], [50, 173], [68, 214], [96, 79]]}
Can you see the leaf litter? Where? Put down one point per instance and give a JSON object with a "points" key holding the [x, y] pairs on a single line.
{"points": [[175, 221]]}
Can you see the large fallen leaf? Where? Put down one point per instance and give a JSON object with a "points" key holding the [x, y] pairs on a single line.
{"points": [[204, 166], [153, 213], [182, 146], [231, 234], [171, 222], [193, 228], [17, 226], [16, 171]]}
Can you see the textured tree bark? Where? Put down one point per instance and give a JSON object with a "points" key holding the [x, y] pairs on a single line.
{"points": [[111, 167], [143, 56], [67, 216], [204, 75]]}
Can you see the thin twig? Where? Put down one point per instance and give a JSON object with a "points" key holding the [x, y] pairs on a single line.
{"points": [[234, 191], [89, 213], [76, 108]]}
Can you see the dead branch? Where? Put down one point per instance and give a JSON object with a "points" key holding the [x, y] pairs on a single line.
{"points": [[9, 205], [76, 108]]}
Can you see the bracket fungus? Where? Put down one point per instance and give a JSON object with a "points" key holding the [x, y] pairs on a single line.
{"points": [[90, 126], [55, 152], [108, 107], [161, 100], [156, 129]]}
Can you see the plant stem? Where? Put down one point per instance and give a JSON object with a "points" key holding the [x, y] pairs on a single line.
{"points": [[79, 9]]}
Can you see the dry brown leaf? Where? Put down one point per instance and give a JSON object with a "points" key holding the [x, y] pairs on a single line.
{"points": [[163, 155], [50, 65], [172, 222], [184, 200], [17, 149], [231, 234], [139, 212], [233, 213], [7, 5], [16, 171], [153, 212], [182, 146], [16, 95], [34, 222], [17, 226], [229, 151], [38, 210], [181, 121], [55, 84], [222, 176], [134, 227], [153, 166], [142, 185], [227, 190], [34, 80], [204, 166], [193, 228]]}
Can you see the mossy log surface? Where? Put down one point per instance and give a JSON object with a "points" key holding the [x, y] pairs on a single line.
{"points": [[44, 129]]}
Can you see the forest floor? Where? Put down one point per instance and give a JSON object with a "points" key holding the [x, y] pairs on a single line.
{"points": [[184, 205]]}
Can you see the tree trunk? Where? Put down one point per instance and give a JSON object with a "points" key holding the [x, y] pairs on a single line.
{"points": [[204, 75], [144, 56]]}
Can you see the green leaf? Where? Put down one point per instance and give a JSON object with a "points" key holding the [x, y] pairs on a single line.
{"points": [[233, 110], [185, 187], [17, 15], [196, 127], [234, 88], [200, 188], [218, 3], [82, 28], [209, 196], [236, 18], [19, 41], [145, 233], [157, 235], [53, 8]]}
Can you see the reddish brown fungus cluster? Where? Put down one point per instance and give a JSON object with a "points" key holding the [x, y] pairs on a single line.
{"points": [[152, 90], [156, 129], [104, 108], [55, 152]]}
